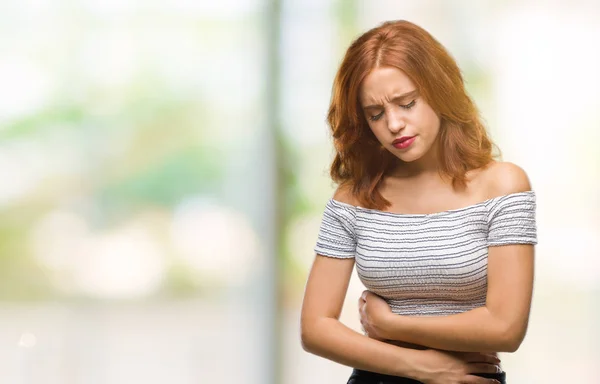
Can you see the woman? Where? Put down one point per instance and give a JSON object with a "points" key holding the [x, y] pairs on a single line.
{"points": [[442, 234]]}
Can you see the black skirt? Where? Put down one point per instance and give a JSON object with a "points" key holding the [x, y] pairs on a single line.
{"points": [[365, 377]]}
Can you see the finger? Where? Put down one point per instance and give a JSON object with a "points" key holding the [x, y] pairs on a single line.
{"points": [[479, 380], [483, 368], [489, 357], [364, 329], [364, 321], [364, 295], [482, 358]]}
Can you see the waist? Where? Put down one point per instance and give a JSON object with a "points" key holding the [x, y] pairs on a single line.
{"points": [[413, 346], [403, 344], [365, 377]]}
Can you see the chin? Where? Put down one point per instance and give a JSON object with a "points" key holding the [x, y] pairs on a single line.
{"points": [[409, 157]]}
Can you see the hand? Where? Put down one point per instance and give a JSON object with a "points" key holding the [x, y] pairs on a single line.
{"points": [[373, 312], [444, 367]]}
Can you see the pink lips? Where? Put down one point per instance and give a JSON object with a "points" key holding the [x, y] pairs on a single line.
{"points": [[403, 142]]}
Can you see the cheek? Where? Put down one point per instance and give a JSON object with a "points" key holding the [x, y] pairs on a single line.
{"points": [[428, 120], [433, 123], [376, 129]]}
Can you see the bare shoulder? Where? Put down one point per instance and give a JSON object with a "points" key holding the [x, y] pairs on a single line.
{"points": [[344, 194], [503, 178]]}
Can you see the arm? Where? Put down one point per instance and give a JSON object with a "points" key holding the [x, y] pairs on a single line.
{"points": [[324, 335], [501, 324]]}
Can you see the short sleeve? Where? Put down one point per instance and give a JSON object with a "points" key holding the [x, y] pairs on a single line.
{"points": [[337, 233], [511, 219]]}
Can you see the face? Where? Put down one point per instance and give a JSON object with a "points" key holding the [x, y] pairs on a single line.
{"points": [[401, 120]]}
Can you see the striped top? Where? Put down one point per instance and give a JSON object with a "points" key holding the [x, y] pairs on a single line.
{"points": [[427, 264]]}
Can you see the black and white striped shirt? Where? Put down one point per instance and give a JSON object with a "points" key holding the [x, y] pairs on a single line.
{"points": [[427, 264]]}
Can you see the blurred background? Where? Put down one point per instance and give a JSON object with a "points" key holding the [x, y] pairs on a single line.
{"points": [[164, 167]]}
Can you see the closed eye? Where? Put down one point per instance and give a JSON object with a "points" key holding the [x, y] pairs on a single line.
{"points": [[409, 105], [405, 106], [376, 117]]}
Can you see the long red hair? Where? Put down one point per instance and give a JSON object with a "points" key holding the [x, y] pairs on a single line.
{"points": [[360, 161]]}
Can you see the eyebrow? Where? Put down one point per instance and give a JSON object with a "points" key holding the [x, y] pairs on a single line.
{"points": [[411, 94]]}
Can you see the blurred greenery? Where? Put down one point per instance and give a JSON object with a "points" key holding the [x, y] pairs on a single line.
{"points": [[144, 153], [20, 277]]}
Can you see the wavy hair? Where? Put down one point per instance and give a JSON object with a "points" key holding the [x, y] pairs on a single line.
{"points": [[360, 161]]}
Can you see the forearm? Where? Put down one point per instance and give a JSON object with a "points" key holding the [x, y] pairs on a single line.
{"points": [[477, 330], [329, 338]]}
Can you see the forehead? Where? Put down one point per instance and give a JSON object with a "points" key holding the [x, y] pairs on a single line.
{"points": [[384, 83]]}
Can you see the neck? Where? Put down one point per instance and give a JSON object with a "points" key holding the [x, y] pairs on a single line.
{"points": [[414, 173]]}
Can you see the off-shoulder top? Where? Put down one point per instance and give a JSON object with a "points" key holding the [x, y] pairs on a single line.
{"points": [[427, 264]]}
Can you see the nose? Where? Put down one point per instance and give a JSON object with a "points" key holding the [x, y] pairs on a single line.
{"points": [[395, 121]]}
